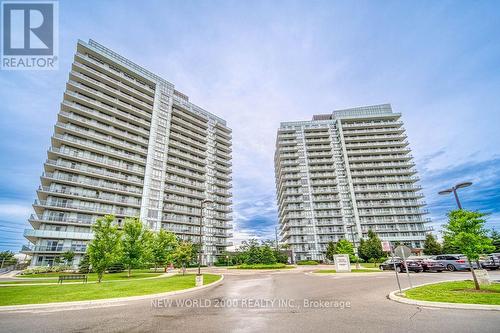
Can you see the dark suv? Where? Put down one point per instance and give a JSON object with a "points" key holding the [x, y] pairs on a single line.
{"points": [[413, 265]]}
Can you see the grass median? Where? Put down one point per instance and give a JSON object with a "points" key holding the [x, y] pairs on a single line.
{"points": [[54, 276], [17, 295], [456, 292], [361, 270]]}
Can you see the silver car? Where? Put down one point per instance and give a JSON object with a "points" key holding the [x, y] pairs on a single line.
{"points": [[453, 262]]}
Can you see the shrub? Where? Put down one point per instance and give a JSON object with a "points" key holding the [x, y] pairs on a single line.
{"points": [[307, 262], [45, 269]]}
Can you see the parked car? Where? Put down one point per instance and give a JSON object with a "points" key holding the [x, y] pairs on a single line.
{"points": [[490, 262], [389, 264], [453, 262], [430, 265], [496, 255]]}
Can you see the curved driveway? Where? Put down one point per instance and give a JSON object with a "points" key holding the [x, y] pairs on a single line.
{"points": [[289, 301]]}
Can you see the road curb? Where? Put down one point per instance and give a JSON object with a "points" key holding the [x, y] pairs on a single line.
{"points": [[463, 306], [78, 305]]}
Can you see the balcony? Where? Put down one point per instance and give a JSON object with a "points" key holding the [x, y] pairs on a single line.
{"points": [[181, 162], [372, 124], [188, 140], [36, 221], [113, 95], [90, 133], [99, 147], [190, 133], [101, 196], [89, 71], [190, 126], [392, 157], [86, 157], [96, 183], [377, 151], [66, 165], [33, 235], [356, 132], [384, 180], [52, 249], [78, 88], [112, 72], [102, 117], [95, 208], [190, 157], [401, 143], [380, 137]]}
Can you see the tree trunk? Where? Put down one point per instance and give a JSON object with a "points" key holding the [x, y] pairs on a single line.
{"points": [[183, 269], [128, 273], [156, 266], [99, 277], [476, 283]]}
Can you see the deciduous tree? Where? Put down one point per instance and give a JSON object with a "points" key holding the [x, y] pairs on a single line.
{"points": [[183, 255], [466, 231], [105, 248], [163, 247], [134, 244]]}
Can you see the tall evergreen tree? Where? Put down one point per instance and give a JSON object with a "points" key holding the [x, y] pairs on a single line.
{"points": [[371, 249], [495, 240], [431, 245], [330, 250]]}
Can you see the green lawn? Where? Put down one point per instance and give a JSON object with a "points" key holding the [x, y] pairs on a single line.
{"points": [[367, 265], [263, 266], [51, 277], [361, 270], [16, 295], [456, 292]]}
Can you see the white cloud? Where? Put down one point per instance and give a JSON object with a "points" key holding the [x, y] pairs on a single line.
{"points": [[14, 211]]}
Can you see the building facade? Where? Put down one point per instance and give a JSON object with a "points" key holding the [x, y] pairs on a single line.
{"points": [[344, 173], [127, 143]]}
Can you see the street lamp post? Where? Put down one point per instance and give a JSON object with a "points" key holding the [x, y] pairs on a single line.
{"points": [[199, 277], [454, 191], [354, 245]]}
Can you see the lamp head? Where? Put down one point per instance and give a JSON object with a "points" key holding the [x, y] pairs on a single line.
{"points": [[448, 191], [464, 184]]}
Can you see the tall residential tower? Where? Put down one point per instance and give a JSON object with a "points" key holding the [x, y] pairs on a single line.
{"points": [[344, 173], [127, 143]]}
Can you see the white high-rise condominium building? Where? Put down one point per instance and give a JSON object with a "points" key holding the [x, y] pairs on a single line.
{"points": [[344, 173], [127, 143]]}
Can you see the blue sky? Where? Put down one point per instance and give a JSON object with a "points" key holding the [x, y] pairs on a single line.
{"points": [[256, 63]]}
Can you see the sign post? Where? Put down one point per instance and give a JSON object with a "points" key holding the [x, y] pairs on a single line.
{"points": [[342, 263], [404, 252]]}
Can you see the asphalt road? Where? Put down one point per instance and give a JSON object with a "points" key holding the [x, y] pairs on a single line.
{"points": [[292, 301]]}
